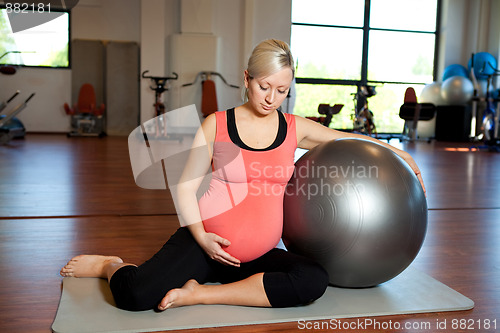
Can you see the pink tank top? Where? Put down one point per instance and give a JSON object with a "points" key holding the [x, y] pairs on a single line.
{"points": [[244, 202]]}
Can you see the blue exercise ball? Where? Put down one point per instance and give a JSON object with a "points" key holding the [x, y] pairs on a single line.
{"points": [[455, 70], [356, 208], [484, 65]]}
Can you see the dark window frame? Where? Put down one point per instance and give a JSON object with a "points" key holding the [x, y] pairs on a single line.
{"points": [[364, 59]]}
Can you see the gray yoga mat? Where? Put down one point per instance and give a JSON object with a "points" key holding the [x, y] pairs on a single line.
{"points": [[86, 305]]}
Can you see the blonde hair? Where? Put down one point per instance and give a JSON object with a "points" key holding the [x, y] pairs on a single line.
{"points": [[268, 57]]}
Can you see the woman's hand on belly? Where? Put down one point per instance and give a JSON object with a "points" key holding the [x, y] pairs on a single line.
{"points": [[213, 245]]}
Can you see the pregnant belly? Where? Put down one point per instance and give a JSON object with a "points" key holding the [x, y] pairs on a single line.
{"points": [[252, 227]]}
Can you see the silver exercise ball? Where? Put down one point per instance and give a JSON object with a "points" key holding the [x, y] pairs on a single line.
{"points": [[432, 94], [356, 208], [457, 90]]}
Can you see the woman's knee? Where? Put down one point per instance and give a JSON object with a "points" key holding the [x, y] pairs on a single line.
{"points": [[310, 281], [128, 293], [135, 300], [302, 283]]}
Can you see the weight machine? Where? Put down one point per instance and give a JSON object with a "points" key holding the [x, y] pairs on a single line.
{"points": [[11, 127]]}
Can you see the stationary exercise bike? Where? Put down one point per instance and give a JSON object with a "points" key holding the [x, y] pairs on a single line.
{"points": [[362, 117], [328, 112], [490, 124], [159, 86], [489, 132]]}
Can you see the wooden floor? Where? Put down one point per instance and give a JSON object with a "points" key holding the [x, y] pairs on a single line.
{"points": [[60, 197]]}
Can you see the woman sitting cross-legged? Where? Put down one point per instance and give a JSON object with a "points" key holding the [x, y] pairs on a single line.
{"points": [[230, 234]]}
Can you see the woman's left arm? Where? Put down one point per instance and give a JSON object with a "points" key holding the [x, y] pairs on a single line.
{"points": [[311, 133]]}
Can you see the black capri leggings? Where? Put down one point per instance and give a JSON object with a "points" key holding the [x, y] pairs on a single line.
{"points": [[289, 279]]}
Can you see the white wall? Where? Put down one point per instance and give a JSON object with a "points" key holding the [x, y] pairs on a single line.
{"points": [[228, 25], [117, 20], [155, 17]]}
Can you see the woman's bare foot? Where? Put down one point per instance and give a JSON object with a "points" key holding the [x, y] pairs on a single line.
{"points": [[180, 296], [89, 266]]}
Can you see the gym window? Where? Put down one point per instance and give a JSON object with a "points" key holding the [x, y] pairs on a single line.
{"points": [[338, 45], [34, 35]]}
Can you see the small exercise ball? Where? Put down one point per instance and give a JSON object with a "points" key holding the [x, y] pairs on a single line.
{"points": [[484, 65], [457, 90], [356, 208], [455, 70], [431, 93]]}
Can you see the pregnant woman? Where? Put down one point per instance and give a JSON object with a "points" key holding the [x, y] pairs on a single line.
{"points": [[230, 234]]}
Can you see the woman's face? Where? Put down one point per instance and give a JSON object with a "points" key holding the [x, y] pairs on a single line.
{"points": [[265, 94]]}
